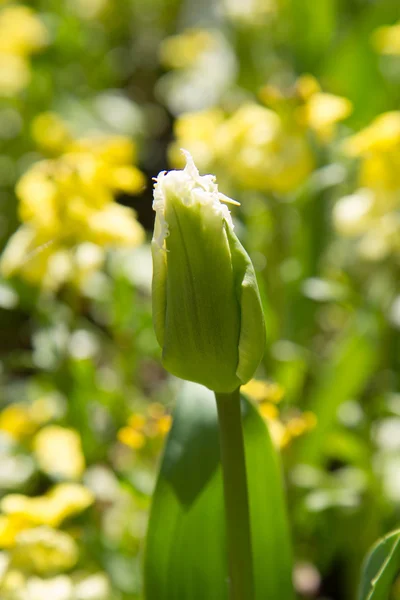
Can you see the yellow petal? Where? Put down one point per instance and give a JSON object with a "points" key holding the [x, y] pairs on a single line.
{"points": [[115, 225], [59, 452]]}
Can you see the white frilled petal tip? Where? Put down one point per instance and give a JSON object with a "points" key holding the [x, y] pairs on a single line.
{"points": [[190, 168], [192, 189]]}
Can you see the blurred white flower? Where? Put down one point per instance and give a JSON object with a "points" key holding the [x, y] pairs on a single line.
{"points": [[351, 214], [57, 588], [83, 344], [94, 587], [209, 68]]}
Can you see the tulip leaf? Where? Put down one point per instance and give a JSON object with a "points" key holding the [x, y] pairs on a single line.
{"points": [[186, 557], [380, 568]]}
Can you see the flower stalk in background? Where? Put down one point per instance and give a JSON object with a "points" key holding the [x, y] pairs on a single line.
{"points": [[209, 322]]}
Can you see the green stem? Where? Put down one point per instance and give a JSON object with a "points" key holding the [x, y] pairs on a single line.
{"points": [[236, 496]]}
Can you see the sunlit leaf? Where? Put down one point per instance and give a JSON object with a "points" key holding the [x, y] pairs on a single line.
{"points": [[186, 549], [380, 568]]}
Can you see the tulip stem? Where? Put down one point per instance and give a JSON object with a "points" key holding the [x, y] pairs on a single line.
{"points": [[236, 496]]}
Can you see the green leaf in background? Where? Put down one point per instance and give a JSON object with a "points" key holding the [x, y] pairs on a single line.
{"points": [[186, 548], [344, 377], [380, 568], [311, 44], [354, 65]]}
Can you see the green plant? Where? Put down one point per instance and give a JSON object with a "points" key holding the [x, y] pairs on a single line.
{"points": [[209, 322]]}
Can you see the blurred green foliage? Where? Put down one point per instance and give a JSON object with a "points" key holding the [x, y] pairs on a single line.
{"points": [[276, 97]]}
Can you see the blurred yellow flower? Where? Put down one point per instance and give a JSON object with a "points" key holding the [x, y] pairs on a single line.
{"points": [[137, 421], [372, 213], [69, 499], [58, 196], [10, 527], [267, 395], [263, 391], [21, 34], [164, 424], [50, 133], [48, 264], [383, 135], [68, 201], [27, 252], [16, 420], [11, 584], [116, 150], [155, 424], [284, 432], [302, 423], [181, 51], [322, 111], [268, 411], [58, 451], [254, 147], [307, 86], [114, 225], [197, 133], [14, 74], [297, 426], [131, 437], [46, 407], [309, 106], [261, 152], [44, 551], [155, 410], [24, 512], [387, 39]]}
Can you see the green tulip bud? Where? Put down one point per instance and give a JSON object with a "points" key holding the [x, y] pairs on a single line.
{"points": [[206, 304]]}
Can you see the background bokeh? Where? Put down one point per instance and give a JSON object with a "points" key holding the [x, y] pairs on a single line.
{"points": [[294, 105]]}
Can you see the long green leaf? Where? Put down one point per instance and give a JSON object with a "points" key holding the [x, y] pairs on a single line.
{"points": [[186, 548], [380, 568]]}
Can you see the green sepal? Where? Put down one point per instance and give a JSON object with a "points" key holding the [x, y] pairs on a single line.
{"points": [[252, 327], [206, 305], [159, 289], [202, 315]]}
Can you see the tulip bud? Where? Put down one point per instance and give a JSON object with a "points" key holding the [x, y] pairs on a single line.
{"points": [[206, 305]]}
